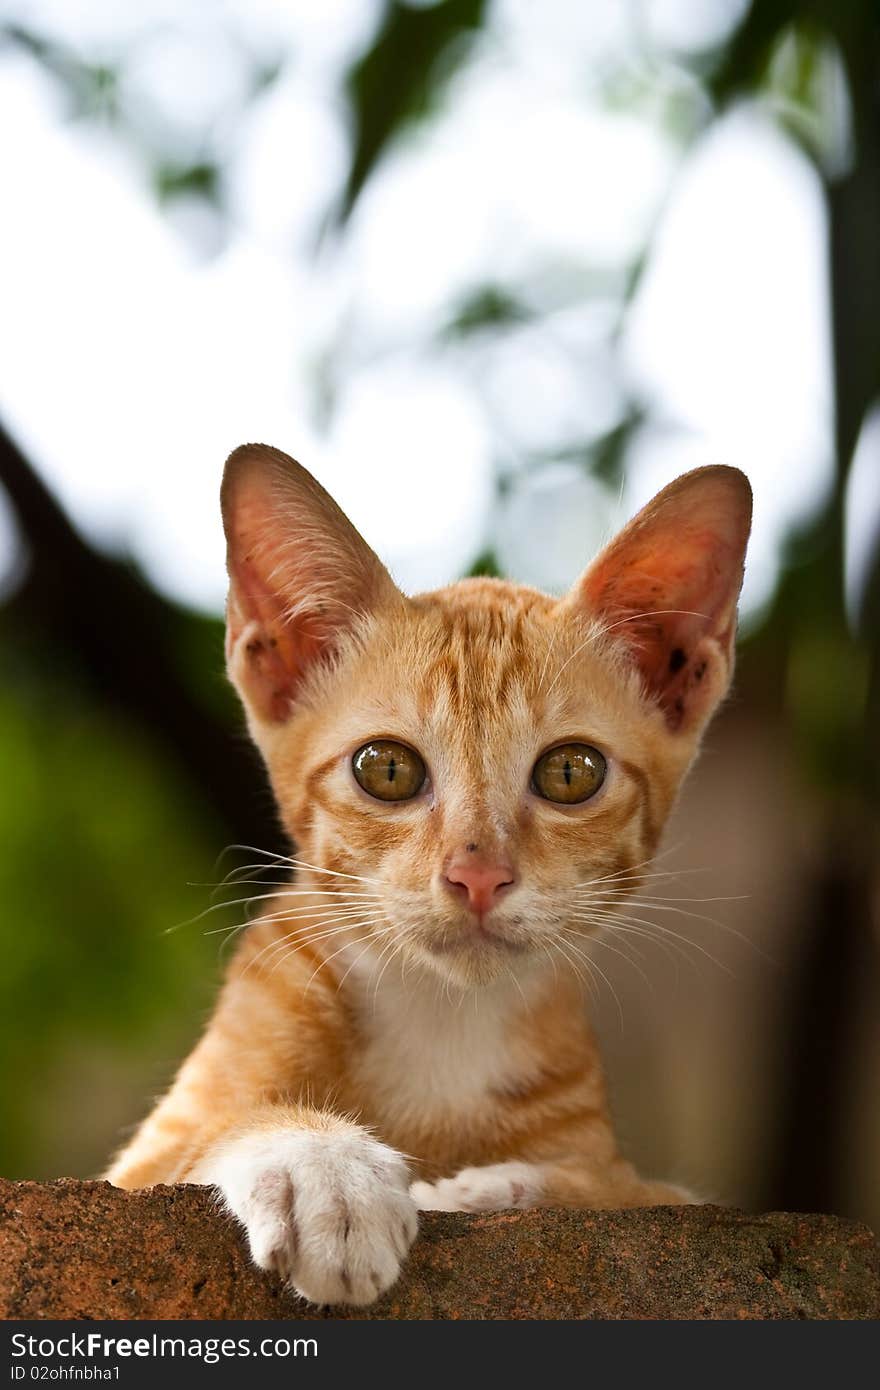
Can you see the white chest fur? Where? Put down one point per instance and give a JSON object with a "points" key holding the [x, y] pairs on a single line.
{"points": [[427, 1053]]}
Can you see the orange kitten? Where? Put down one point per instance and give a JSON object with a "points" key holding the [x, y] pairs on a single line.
{"points": [[474, 780]]}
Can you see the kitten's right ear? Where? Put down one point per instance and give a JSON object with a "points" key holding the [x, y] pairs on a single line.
{"points": [[300, 577]]}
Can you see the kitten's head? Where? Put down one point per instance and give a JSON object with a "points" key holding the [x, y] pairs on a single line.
{"points": [[483, 759]]}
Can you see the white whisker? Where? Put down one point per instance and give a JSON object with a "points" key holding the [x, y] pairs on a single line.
{"points": [[652, 859], [595, 966], [286, 948], [291, 861], [653, 613], [305, 936], [659, 899], [671, 905], [397, 944], [612, 919], [600, 941], [371, 935], [565, 665], [562, 948], [380, 931], [291, 913]]}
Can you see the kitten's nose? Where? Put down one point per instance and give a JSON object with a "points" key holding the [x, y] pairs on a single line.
{"points": [[482, 882]]}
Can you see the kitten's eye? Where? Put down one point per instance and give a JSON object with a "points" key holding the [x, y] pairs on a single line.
{"points": [[572, 772], [389, 771]]}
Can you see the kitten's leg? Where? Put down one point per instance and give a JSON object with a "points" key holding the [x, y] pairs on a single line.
{"points": [[323, 1203], [500, 1186]]}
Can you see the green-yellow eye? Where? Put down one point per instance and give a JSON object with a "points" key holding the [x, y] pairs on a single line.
{"points": [[388, 770], [570, 773]]}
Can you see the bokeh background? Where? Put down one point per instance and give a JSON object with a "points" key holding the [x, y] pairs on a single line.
{"points": [[495, 271]]}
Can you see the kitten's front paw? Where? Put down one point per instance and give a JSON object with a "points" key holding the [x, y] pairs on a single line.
{"points": [[330, 1213], [495, 1188]]}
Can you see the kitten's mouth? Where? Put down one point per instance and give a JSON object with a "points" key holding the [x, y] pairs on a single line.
{"points": [[479, 935]]}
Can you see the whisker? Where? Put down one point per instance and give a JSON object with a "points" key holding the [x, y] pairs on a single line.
{"points": [[512, 975], [600, 941], [336, 873], [596, 635], [281, 909], [670, 905], [675, 951], [375, 932], [288, 913], [283, 884], [380, 931], [650, 905], [593, 637], [651, 613], [253, 849], [540, 680], [552, 959], [630, 871], [397, 944], [305, 936], [624, 878], [293, 862], [353, 895], [218, 907], [561, 946], [241, 872], [618, 925], [612, 919], [343, 919], [290, 945], [595, 965], [287, 949], [660, 898]]}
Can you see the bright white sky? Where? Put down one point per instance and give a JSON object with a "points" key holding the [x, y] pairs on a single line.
{"points": [[130, 366]]}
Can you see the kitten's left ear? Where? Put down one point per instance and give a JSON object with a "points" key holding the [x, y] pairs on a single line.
{"points": [[301, 578], [667, 587]]}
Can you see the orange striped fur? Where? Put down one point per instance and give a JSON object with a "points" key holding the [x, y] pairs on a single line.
{"points": [[368, 1011]]}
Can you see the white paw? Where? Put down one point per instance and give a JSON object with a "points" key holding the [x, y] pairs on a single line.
{"points": [[495, 1188], [330, 1213]]}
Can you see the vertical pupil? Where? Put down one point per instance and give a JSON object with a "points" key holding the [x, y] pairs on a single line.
{"points": [[566, 772], [392, 768]]}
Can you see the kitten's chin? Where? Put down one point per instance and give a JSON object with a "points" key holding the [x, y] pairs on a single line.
{"points": [[468, 969], [473, 955]]}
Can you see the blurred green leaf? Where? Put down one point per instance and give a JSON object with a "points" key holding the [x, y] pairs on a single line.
{"points": [[485, 566], [607, 455], [745, 61], [488, 307], [400, 77], [603, 457], [199, 180], [91, 88]]}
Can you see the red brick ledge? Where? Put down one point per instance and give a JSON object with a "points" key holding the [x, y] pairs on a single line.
{"points": [[87, 1250]]}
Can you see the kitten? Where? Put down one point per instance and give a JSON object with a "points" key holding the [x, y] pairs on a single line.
{"points": [[474, 780]]}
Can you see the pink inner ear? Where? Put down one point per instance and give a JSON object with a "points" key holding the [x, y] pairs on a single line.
{"points": [[300, 575], [668, 644], [278, 651], [667, 586]]}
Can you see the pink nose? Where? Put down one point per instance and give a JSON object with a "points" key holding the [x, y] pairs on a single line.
{"points": [[483, 883]]}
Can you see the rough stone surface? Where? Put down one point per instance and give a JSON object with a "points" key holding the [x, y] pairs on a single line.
{"points": [[87, 1250]]}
